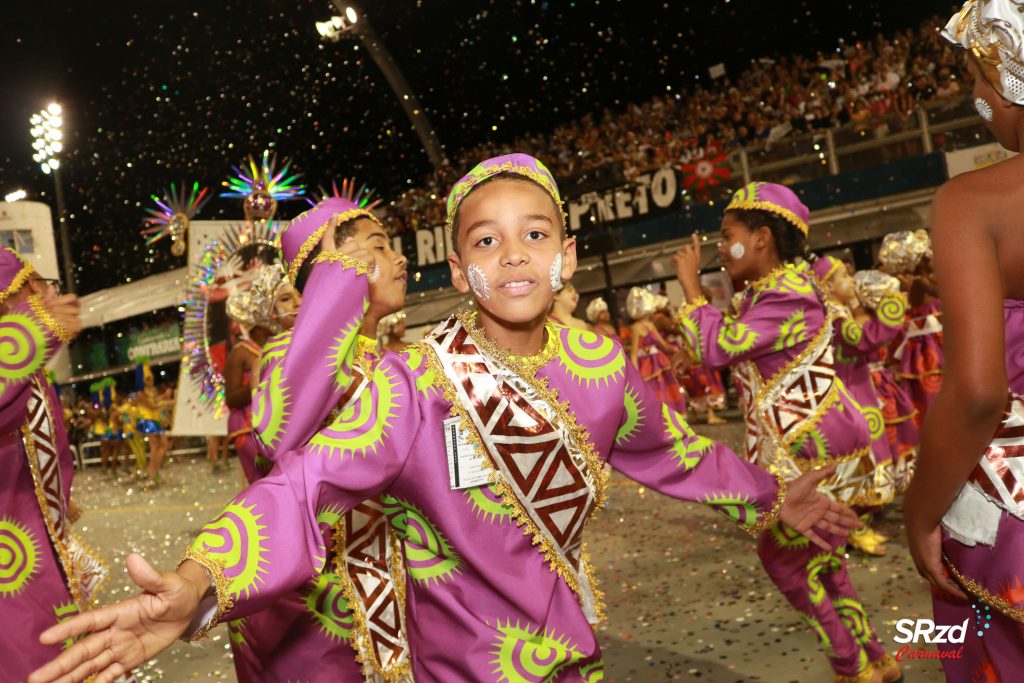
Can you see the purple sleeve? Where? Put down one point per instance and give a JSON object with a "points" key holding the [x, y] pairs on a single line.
{"points": [[272, 538], [304, 372], [857, 339], [29, 338], [777, 321], [656, 447]]}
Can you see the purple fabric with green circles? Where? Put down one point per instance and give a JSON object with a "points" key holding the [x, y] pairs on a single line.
{"points": [[33, 592]]}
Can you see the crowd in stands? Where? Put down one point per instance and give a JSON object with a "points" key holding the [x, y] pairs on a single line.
{"points": [[862, 83]]}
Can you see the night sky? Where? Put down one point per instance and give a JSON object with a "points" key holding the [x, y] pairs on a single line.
{"points": [[163, 91]]}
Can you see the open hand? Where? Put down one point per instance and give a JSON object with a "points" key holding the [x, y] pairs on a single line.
{"points": [[125, 634], [680, 363], [926, 549], [806, 507], [687, 264]]}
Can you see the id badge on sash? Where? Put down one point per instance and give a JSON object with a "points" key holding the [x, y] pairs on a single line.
{"points": [[466, 468]]}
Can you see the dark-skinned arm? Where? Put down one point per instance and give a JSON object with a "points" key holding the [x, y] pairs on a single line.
{"points": [[237, 392], [963, 418]]}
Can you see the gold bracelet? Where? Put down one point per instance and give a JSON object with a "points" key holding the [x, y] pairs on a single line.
{"points": [[215, 570], [772, 515]]}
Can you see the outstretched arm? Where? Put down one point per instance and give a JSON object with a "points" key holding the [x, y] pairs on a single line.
{"points": [[656, 447], [882, 325], [304, 372]]}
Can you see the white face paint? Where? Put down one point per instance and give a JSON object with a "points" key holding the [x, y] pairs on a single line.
{"points": [[737, 251], [984, 108], [556, 273], [478, 282]]}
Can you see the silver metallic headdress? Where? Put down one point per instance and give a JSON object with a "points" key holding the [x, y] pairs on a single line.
{"points": [[993, 30], [595, 308], [254, 307]]}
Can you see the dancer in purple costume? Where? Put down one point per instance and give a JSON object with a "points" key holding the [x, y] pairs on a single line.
{"points": [[965, 508]]}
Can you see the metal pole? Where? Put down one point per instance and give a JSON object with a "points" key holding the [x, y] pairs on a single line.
{"points": [[65, 236], [833, 158], [926, 134], [406, 97], [745, 165]]}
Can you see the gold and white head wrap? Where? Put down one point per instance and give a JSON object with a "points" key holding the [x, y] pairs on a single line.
{"points": [[993, 30], [640, 303], [902, 251], [873, 285], [254, 307], [595, 308]]}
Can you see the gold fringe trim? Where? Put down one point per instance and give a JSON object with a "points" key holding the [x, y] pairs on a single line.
{"points": [[363, 641], [689, 307], [901, 420], [220, 584], [99, 560], [591, 574], [508, 167], [921, 376], [338, 257], [19, 280], [46, 318], [311, 241], [772, 515], [518, 513], [1015, 612], [770, 207]]}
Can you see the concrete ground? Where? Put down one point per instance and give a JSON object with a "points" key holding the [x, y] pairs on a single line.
{"points": [[687, 598]]}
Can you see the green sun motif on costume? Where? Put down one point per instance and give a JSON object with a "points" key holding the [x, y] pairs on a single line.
{"points": [[429, 559], [487, 504], [340, 356], [271, 406], [236, 632], [590, 358], [851, 331], [526, 655], [737, 338], [814, 440], [793, 331], [328, 607], [691, 332], [361, 427], [416, 360], [593, 673], [822, 563], [687, 446], [794, 282], [22, 342], [737, 507], [892, 310], [234, 539], [634, 416], [63, 612], [823, 639], [19, 557], [275, 349], [329, 515], [854, 617], [876, 421], [787, 537]]}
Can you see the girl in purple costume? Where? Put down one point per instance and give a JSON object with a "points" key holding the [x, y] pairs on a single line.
{"points": [[965, 508], [857, 335], [491, 476], [799, 413]]}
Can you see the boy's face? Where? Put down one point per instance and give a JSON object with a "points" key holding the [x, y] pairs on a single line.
{"points": [[387, 294], [511, 250], [286, 305]]}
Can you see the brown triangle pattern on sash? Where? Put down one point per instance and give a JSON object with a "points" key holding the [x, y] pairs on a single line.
{"points": [[523, 444], [802, 397], [372, 585], [993, 474], [41, 432]]}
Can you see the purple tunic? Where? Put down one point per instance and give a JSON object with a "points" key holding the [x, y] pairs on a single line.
{"points": [[483, 600], [34, 594]]}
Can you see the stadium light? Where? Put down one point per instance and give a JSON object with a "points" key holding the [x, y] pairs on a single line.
{"points": [[47, 130], [15, 196]]}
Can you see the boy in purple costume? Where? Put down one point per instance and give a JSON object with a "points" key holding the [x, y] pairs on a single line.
{"points": [[965, 508], [499, 584], [799, 413]]}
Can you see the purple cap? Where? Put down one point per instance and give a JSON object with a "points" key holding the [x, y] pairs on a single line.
{"points": [[305, 230], [826, 266], [14, 272], [774, 198], [519, 164]]}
